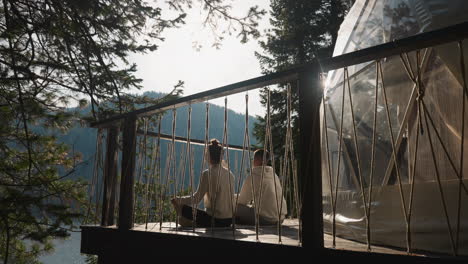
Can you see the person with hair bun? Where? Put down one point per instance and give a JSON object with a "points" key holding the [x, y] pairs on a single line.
{"points": [[216, 188]]}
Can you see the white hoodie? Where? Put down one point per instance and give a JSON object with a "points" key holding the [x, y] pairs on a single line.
{"points": [[269, 205]]}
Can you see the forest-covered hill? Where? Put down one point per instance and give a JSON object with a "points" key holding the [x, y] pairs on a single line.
{"points": [[83, 139]]}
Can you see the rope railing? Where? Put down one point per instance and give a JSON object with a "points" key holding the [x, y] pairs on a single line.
{"points": [[94, 185], [244, 159], [417, 122], [413, 124], [356, 146], [462, 145], [155, 183]]}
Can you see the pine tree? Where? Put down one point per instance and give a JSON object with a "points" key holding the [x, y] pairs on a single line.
{"points": [[54, 53], [300, 31]]}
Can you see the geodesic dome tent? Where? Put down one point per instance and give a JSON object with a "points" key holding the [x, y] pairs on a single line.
{"points": [[391, 145]]}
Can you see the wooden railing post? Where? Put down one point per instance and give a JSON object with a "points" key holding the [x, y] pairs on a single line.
{"points": [[310, 171], [110, 176], [127, 175]]}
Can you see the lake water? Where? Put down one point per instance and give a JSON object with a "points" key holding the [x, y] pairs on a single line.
{"points": [[66, 251]]}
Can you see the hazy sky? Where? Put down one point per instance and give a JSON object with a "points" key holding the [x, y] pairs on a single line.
{"points": [[208, 68]]}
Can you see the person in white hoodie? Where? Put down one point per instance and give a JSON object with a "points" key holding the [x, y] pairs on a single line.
{"points": [[271, 204], [216, 188]]}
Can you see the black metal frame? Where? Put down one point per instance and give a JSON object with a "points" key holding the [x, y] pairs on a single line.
{"points": [[193, 141], [310, 93], [396, 47]]}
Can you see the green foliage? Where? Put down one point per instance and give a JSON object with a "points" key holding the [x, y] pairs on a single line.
{"points": [[219, 19], [91, 259], [54, 53]]}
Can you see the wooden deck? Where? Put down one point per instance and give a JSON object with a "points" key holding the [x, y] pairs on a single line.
{"points": [[267, 234], [143, 244]]}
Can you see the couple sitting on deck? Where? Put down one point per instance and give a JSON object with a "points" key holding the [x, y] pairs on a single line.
{"points": [[219, 204]]}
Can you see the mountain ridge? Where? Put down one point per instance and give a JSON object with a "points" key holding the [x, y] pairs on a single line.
{"points": [[83, 139]]}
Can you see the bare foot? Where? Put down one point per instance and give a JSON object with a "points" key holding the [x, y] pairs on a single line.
{"points": [[177, 206]]}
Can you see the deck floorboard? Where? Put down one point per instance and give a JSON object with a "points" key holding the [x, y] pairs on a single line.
{"points": [[267, 234]]}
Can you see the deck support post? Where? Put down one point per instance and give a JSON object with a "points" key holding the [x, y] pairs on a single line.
{"points": [[127, 176], [110, 177], [310, 171]]}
